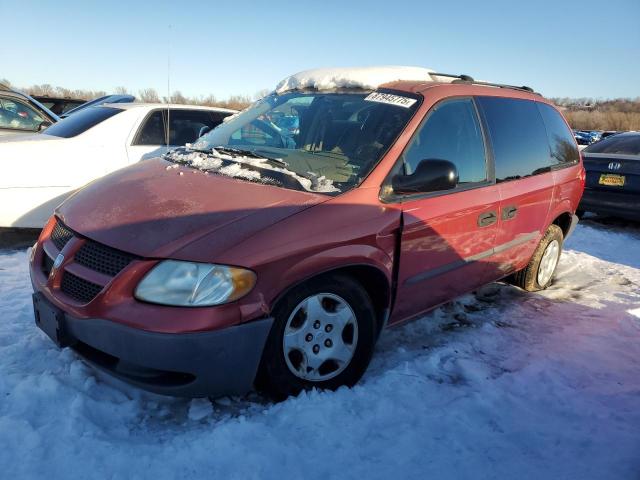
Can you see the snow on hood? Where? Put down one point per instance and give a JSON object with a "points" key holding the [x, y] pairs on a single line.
{"points": [[368, 78], [213, 162]]}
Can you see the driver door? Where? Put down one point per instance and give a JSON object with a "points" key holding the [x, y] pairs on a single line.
{"points": [[447, 237]]}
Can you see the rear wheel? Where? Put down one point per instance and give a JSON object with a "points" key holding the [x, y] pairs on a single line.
{"points": [[323, 336], [537, 275]]}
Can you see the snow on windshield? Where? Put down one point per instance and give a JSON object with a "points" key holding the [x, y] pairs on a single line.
{"points": [[215, 162], [368, 78]]}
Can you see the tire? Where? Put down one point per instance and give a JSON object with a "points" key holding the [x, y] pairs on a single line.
{"points": [[528, 278], [334, 293]]}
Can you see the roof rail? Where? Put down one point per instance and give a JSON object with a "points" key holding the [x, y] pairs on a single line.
{"points": [[461, 77], [468, 79]]}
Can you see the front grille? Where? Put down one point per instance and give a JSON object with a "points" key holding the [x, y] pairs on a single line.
{"points": [[103, 259], [61, 235], [78, 288], [47, 264], [92, 255]]}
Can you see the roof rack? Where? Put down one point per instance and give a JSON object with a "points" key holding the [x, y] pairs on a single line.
{"points": [[469, 79]]}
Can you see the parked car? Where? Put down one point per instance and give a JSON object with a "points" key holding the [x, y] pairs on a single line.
{"points": [[22, 114], [39, 171], [613, 176], [586, 137], [252, 259], [609, 133], [99, 101], [59, 105], [594, 135]]}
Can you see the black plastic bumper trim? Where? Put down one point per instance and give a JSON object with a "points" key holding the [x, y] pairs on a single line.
{"points": [[199, 364]]}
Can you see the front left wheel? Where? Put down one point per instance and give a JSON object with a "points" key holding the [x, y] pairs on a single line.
{"points": [[323, 336]]}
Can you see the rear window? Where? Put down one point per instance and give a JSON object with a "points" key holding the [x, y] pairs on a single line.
{"points": [[622, 144], [561, 141], [518, 137], [81, 121]]}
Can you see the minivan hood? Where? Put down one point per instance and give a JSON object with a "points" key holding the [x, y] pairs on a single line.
{"points": [[158, 209]]}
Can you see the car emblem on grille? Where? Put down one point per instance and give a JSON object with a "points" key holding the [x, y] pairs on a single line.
{"points": [[58, 262], [615, 166]]}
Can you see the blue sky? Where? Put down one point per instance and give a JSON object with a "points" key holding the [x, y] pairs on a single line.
{"points": [[561, 48]]}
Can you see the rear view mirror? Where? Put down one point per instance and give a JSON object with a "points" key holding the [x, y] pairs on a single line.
{"points": [[431, 175]]}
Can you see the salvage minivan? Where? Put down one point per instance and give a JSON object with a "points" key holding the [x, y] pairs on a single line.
{"points": [[269, 258]]}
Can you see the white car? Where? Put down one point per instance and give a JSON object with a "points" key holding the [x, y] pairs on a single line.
{"points": [[37, 172]]}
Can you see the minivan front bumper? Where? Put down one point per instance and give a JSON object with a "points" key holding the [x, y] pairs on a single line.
{"points": [[213, 364]]}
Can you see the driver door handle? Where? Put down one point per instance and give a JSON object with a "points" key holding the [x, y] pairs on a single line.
{"points": [[509, 212], [487, 218]]}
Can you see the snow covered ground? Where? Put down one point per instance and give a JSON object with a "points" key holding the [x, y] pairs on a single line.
{"points": [[500, 384]]}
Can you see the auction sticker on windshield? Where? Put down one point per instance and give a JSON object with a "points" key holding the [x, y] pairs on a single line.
{"points": [[391, 99]]}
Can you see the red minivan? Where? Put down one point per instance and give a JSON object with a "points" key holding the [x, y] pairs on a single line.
{"points": [[271, 258]]}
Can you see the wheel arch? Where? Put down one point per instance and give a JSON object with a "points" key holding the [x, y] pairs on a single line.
{"points": [[372, 278], [564, 220]]}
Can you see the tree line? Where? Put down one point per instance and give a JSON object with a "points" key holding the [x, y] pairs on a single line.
{"points": [[590, 114], [581, 113], [146, 95]]}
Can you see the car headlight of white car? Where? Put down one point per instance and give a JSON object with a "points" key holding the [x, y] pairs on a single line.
{"points": [[190, 284]]}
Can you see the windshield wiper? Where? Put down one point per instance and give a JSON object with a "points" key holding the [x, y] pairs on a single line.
{"points": [[284, 176], [250, 153]]}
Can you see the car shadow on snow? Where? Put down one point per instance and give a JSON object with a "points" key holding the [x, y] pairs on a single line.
{"points": [[492, 308], [463, 344]]}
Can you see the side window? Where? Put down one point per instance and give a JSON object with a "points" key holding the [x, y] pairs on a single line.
{"points": [[185, 125], [18, 116], [152, 131], [518, 137], [451, 132], [561, 141]]}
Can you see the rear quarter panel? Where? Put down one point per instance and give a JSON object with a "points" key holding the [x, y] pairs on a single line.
{"points": [[569, 185]]}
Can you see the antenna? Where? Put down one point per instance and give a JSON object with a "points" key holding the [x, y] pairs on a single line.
{"points": [[168, 132]]}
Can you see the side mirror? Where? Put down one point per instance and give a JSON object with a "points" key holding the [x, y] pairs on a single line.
{"points": [[431, 175], [204, 130], [44, 125]]}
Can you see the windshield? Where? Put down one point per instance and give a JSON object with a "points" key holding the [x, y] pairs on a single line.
{"points": [[620, 144], [332, 140]]}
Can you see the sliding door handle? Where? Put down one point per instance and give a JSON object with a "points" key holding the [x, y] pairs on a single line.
{"points": [[487, 218], [509, 212]]}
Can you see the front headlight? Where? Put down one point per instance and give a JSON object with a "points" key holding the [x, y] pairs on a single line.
{"points": [[189, 284]]}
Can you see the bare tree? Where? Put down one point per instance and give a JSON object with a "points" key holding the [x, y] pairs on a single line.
{"points": [[149, 95], [177, 97], [122, 91], [44, 89]]}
